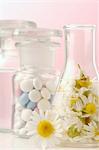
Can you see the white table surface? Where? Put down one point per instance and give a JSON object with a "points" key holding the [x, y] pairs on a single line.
{"points": [[11, 142]]}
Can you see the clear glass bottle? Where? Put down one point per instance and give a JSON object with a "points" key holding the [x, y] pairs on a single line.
{"points": [[9, 63], [77, 96], [36, 81]]}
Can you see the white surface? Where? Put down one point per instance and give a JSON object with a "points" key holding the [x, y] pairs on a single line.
{"points": [[10, 142]]}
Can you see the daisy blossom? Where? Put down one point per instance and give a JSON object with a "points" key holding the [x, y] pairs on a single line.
{"points": [[83, 91], [90, 105], [72, 128], [92, 130], [45, 128], [85, 106]]}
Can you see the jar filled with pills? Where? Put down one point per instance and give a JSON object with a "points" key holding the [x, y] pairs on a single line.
{"points": [[9, 63], [35, 83]]}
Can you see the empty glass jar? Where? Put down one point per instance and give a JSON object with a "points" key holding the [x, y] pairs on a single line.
{"points": [[9, 62], [36, 81], [77, 96]]}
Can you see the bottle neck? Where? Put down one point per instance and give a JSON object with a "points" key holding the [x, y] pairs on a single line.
{"points": [[80, 47]]}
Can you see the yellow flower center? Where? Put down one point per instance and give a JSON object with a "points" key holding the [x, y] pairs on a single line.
{"points": [[45, 128], [83, 83], [97, 133], [73, 101], [90, 108], [86, 93], [73, 131]]}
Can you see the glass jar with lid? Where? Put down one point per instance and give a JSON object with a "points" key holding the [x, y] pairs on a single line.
{"points": [[9, 62], [36, 81]]}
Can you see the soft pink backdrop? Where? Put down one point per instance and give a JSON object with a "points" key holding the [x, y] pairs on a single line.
{"points": [[52, 13], [49, 14]]}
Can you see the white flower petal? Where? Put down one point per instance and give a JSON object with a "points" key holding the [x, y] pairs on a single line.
{"points": [[57, 126], [84, 99], [58, 135], [42, 114], [90, 98]]}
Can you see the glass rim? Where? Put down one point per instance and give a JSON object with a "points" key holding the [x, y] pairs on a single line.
{"points": [[32, 43], [10, 23], [79, 26], [40, 32]]}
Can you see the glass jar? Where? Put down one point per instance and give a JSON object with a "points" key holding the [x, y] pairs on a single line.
{"points": [[36, 82], [77, 96], [8, 53], [9, 63]]}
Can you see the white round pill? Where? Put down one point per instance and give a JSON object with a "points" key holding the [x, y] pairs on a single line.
{"points": [[17, 118], [37, 83], [51, 85], [26, 85], [30, 133], [45, 93], [44, 105], [19, 124], [16, 131], [18, 106], [29, 126], [22, 131], [34, 95], [26, 114], [17, 113]]}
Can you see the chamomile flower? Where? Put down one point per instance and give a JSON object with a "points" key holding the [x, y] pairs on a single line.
{"points": [[84, 91], [46, 129], [86, 106], [83, 81], [92, 130], [76, 104], [90, 105], [72, 128]]}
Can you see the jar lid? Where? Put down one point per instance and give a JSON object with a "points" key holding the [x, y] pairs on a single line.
{"points": [[10, 27], [38, 35], [7, 30], [37, 48], [39, 32]]}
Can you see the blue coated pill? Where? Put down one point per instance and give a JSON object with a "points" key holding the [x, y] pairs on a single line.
{"points": [[31, 105], [23, 99]]}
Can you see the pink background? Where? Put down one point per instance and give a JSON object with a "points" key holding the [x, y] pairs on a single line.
{"points": [[52, 14]]}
